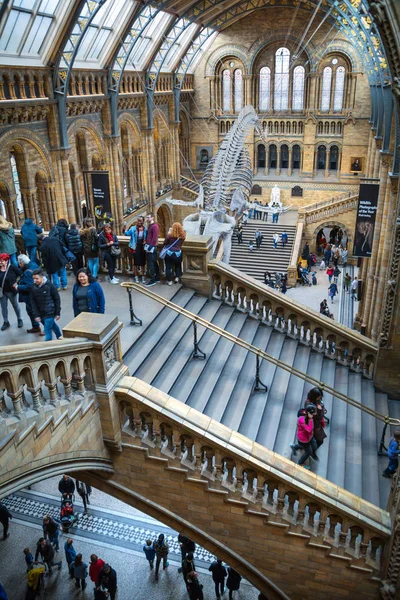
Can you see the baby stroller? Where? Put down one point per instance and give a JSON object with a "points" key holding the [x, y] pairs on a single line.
{"points": [[304, 276], [36, 582], [67, 516]]}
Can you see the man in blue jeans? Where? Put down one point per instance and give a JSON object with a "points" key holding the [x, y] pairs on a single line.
{"points": [[46, 304]]}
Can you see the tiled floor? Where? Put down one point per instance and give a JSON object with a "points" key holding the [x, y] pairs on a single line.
{"points": [[116, 534]]}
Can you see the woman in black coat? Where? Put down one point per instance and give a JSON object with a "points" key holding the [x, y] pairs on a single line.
{"points": [[8, 278], [233, 581], [54, 260]]}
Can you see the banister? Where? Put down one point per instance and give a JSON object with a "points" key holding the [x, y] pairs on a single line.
{"points": [[261, 353]]}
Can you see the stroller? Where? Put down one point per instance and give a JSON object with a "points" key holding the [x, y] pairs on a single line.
{"points": [[304, 276], [67, 516], [36, 582]]}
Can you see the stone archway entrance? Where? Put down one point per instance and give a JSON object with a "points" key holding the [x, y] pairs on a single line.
{"points": [[331, 232]]}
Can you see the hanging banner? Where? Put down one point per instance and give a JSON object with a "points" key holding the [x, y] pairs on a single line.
{"points": [[101, 197], [365, 220]]}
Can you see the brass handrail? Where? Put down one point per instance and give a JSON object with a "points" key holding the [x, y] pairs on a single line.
{"points": [[260, 353]]}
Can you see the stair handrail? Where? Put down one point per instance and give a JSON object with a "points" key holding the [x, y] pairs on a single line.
{"points": [[198, 320], [313, 206]]}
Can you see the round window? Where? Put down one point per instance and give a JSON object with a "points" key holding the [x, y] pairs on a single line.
{"points": [[335, 61], [231, 64]]}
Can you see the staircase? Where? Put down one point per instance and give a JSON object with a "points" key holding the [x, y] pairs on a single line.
{"points": [[190, 184], [267, 258], [221, 387]]}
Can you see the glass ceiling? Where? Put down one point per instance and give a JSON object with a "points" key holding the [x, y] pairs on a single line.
{"points": [[29, 30]]}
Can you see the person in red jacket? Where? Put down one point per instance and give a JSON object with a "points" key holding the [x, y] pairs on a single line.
{"points": [[96, 564], [305, 435]]}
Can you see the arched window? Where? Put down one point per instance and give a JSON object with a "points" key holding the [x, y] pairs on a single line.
{"points": [[298, 88], [326, 127], [265, 88], [321, 157], [300, 127], [287, 126], [272, 156], [281, 87], [339, 88], [284, 156], [226, 90], [294, 127], [333, 127], [238, 83], [282, 127], [333, 158], [261, 156], [320, 127], [296, 157], [326, 88], [17, 186], [339, 129]]}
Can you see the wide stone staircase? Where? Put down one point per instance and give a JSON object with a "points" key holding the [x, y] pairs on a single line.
{"points": [[266, 258], [221, 386]]}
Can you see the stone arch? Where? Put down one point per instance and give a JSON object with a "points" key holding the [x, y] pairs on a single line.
{"points": [[220, 54], [346, 229], [15, 136], [90, 127], [280, 35], [326, 49]]}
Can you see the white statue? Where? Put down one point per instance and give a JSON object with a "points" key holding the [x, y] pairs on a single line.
{"points": [[276, 195]]}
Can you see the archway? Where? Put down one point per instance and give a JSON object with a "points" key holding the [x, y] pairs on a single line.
{"points": [[331, 232], [164, 220], [296, 157], [284, 156], [272, 156], [261, 156], [321, 158]]}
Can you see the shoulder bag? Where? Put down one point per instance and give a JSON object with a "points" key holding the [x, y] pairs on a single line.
{"points": [[166, 249], [2, 283]]}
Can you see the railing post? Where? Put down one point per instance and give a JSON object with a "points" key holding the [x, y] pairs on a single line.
{"points": [[382, 450], [197, 352], [134, 319], [259, 386]]}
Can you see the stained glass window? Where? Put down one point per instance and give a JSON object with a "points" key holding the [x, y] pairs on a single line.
{"points": [[238, 82], [226, 90], [17, 187], [339, 88], [281, 81], [326, 88], [298, 88], [265, 88]]}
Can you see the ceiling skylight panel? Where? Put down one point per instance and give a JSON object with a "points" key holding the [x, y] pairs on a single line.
{"points": [[203, 48], [178, 48], [147, 42]]}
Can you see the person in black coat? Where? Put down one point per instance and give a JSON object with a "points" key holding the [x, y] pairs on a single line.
{"points": [[46, 304], [188, 566], [5, 517], [24, 286], [107, 579], [74, 244], [66, 486], [233, 581], [46, 551], [218, 574], [54, 260], [195, 589], [8, 278]]}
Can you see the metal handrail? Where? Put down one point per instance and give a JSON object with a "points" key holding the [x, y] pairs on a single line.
{"points": [[260, 353]]}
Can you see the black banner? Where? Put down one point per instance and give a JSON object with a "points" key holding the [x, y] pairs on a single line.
{"points": [[365, 221], [101, 197]]}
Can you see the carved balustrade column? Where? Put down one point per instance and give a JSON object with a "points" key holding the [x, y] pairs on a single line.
{"points": [[35, 393], [369, 300], [384, 257], [17, 400]]}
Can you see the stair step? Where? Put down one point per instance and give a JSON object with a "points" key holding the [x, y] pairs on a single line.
{"points": [[275, 399], [179, 355], [186, 379], [168, 342], [143, 346], [354, 441], [370, 443], [257, 400], [294, 398], [338, 426], [205, 384], [237, 402]]}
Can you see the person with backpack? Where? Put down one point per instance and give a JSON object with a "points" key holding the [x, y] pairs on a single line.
{"points": [[393, 452], [332, 291], [138, 235], [305, 435], [172, 253], [347, 283], [233, 581], [188, 565], [52, 251], [30, 232], [336, 274], [284, 238], [90, 246], [187, 545], [162, 549], [110, 250], [107, 580], [24, 286], [194, 587], [218, 574], [330, 270], [74, 245]]}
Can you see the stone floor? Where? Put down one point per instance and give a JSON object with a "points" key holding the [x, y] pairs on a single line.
{"points": [[135, 581]]}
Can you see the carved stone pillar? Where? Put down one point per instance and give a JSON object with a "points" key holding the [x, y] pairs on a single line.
{"points": [[116, 182], [148, 167], [196, 252], [327, 162], [377, 161], [66, 207], [290, 164], [11, 210], [375, 247], [278, 161]]}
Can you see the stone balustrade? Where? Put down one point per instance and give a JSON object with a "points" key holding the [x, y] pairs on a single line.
{"points": [[328, 209], [309, 327], [260, 483], [296, 253]]}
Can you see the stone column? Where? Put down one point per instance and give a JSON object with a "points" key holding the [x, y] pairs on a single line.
{"points": [[369, 301], [212, 93], [197, 253], [369, 154], [377, 161], [11, 210], [116, 184], [148, 167], [66, 206], [289, 171], [278, 161], [339, 163], [175, 154], [383, 260], [327, 162]]}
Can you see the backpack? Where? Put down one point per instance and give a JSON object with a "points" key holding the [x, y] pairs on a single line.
{"points": [[94, 242]]}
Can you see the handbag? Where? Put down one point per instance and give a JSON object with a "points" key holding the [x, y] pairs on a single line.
{"points": [[115, 250], [2, 283], [166, 249]]}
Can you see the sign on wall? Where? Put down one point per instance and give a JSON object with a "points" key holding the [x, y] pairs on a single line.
{"points": [[365, 220], [101, 196]]}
